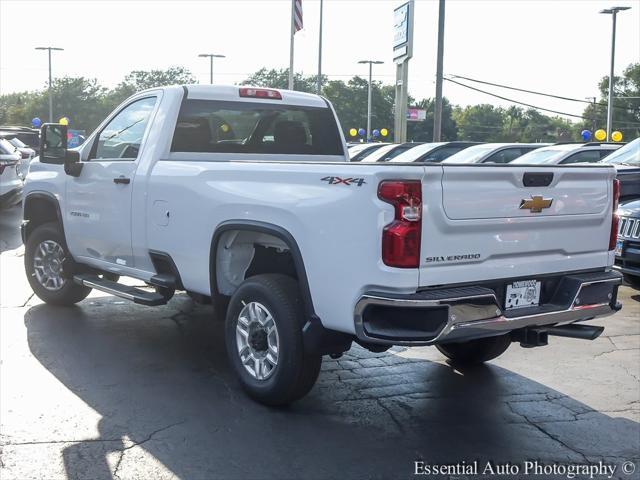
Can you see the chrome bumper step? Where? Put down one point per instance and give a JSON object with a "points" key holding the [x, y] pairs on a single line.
{"points": [[465, 313]]}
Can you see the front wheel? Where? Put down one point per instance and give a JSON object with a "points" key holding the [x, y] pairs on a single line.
{"points": [[46, 263], [476, 351], [263, 333]]}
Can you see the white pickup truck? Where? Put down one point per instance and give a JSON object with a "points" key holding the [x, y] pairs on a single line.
{"points": [[245, 196]]}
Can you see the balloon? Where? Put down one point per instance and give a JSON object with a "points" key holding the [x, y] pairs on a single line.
{"points": [[600, 135], [362, 132], [353, 132], [384, 132], [586, 135], [36, 122], [63, 121], [376, 133], [616, 136]]}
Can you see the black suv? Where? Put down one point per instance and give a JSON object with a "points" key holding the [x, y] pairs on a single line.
{"points": [[28, 136], [628, 245]]}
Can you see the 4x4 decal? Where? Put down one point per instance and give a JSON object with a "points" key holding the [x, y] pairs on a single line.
{"points": [[346, 181]]}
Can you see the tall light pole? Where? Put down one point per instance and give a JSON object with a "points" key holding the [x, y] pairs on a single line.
{"points": [[437, 115], [371, 63], [50, 94], [613, 12], [211, 56], [319, 81]]}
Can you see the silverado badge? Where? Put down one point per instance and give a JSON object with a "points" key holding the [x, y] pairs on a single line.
{"points": [[536, 203]]}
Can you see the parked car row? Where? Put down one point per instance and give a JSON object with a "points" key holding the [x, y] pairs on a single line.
{"points": [[476, 152], [15, 156]]}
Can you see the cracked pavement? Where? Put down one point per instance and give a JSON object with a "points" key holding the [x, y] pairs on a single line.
{"points": [[112, 390]]}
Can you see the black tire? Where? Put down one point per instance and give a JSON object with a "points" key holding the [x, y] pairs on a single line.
{"points": [[632, 280], [69, 292], [475, 351], [295, 372]]}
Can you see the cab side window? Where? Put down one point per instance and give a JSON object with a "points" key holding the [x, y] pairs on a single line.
{"points": [[588, 156], [121, 138], [505, 156], [440, 154]]}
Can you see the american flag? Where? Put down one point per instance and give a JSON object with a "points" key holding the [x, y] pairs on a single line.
{"points": [[297, 15]]}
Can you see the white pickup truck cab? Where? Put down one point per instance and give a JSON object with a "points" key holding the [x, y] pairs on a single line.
{"points": [[245, 196]]}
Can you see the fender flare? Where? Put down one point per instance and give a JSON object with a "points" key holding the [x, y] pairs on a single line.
{"points": [[317, 339], [271, 229], [40, 195]]}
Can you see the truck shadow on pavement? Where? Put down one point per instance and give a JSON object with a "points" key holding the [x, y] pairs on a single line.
{"points": [[170, 405]]}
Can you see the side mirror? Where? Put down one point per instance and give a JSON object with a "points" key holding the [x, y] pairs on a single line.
{"points": [[53, 143], [72, 164], [53, 149]]}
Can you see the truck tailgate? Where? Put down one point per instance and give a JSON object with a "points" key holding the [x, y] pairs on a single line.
{"points": [[489, 222]]}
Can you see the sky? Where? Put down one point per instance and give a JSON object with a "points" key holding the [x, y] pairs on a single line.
{"points": [[555, 46]]}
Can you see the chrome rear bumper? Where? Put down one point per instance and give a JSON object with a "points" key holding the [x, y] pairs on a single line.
{"points": [[465, 313]]}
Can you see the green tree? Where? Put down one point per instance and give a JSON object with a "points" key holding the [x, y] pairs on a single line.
{"points": [[626, 111], [79, 98], [139, 80], [536, 127], [279, 78], [480, 123], [423, 131], [350, 102]]}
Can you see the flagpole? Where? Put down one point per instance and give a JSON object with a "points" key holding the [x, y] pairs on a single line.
{"points": [[293, 32], [319, 85]]}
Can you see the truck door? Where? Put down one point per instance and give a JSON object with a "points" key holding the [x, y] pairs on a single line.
{"points": [[98, 202]]}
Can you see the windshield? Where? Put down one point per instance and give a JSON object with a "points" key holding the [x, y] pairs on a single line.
{"points": [[365, 152], [469, 155], [6, 147], [379, 154], [354, 150], [627, 155], [17, 143], [413, 153], [540, 156]]}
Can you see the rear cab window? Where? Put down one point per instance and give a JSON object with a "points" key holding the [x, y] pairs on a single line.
{"points": [[214, 126]]}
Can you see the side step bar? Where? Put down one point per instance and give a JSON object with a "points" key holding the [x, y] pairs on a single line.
{"points": [[136, 295]]}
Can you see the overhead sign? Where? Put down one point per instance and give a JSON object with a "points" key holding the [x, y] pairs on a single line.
{"points": [[416, 114], [401, 25], [403, 32]]}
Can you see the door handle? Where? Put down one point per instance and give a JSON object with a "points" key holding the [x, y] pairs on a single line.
{"points": [[123, 180]]}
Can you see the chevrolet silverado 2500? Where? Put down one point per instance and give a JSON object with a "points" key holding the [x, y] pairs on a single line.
{"points": [[245, 196]]}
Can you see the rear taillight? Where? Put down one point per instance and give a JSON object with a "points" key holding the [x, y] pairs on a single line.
{"points": [[260, 93], [615, 220], [401, 238]]}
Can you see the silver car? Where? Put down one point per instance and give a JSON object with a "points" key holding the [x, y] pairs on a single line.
{"points": [[493, 152]]}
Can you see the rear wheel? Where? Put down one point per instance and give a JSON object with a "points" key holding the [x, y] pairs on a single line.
{"points": [[263, 334], [476, 351], [48, 263]]}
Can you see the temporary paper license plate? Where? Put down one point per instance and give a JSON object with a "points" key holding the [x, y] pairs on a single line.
{"points": [[618, 250], [523, 293]]}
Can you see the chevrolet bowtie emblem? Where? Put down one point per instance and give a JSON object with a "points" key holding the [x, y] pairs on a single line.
{"points": [[536, 203]]}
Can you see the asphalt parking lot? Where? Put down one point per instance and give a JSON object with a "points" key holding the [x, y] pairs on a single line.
{"points": [[109, 389]]}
